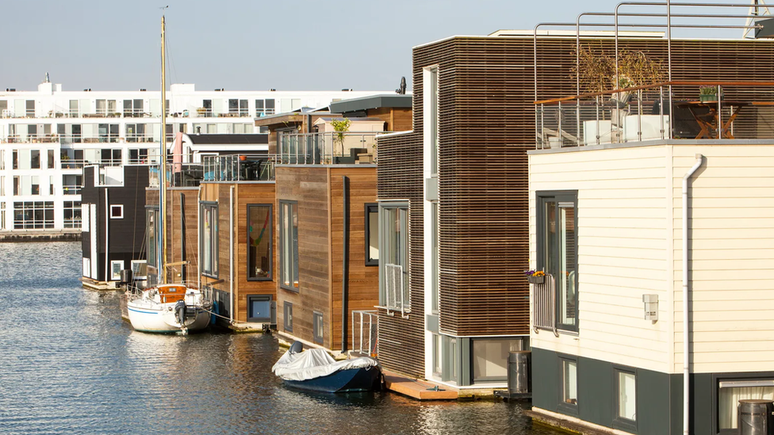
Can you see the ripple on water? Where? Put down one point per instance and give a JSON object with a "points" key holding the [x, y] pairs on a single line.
{"points": [[68, 364]]}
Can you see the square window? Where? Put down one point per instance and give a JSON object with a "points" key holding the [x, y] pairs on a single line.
{"points": [[116, 211], [259, 308], [627, 395], [287, 317], [569, 382], [318, 327]]}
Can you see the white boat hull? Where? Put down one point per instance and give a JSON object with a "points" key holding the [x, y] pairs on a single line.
{"points": [[149, 313]]}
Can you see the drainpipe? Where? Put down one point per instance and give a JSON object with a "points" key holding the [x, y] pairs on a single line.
{"points": [[231, 255], [686, 344], [345, 264]]}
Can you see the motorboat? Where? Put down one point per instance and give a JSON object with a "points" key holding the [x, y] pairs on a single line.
{"points": [[315, 370]]}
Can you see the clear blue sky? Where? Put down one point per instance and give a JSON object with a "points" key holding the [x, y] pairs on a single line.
{"points": [[250, 44]]}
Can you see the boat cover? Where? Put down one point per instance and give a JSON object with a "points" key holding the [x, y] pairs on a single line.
{"points": [[315, 363]]}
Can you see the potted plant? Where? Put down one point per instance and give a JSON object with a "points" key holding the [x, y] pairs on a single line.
{"points": [[535, 276], [708, 93]]}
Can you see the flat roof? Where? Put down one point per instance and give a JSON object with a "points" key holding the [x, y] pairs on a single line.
{"points": [[229, 139], [393, 101]]}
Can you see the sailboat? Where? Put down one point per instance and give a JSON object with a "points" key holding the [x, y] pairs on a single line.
{"points": [[166, 307]]}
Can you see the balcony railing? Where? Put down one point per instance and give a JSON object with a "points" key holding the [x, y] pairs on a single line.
{"points": [[71, 189], [644, 113], [238, 167], [365, 329], [328, 148]]}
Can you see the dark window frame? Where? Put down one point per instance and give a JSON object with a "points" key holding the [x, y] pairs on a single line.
{"points": [[287, 313], [541, 197], [295, 254], [270, 227], [119, 207], [371, 207], [622, 422], [318, 331], [716, 380], [209, 265], [259, 298], [565, 407]]}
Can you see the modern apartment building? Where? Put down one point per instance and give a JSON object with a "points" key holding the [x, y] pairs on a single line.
{"points": [[48, 135]]}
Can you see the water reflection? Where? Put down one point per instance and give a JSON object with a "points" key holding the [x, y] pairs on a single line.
{"points": [[69, 364]]}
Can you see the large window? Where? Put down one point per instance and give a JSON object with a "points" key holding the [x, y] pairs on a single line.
{"points": [[490, 358], [72, 214], [209, 239], [259, 308], [289, 245], [152, 222], [557, 253], [393, 242], [372, 234], [730, 392], [259, 242], [33, 215]]}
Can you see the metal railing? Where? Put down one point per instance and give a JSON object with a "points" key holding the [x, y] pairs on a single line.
{"points": [[328, 148], [365, 330], [238, 167], [692, 110], [544, 305], [396, 292], [72, 189]]}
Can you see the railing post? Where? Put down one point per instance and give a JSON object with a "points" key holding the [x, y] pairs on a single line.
{"points": [[661, 109], [542, 126], [639, 115], [578, 122], [559, 128], [596, 109], [720, 115]]}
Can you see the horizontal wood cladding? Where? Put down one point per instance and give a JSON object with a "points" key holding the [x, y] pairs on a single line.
{"points": [[309, 187], [487, 124], [400, 344], [363, 291], [183, 232]]}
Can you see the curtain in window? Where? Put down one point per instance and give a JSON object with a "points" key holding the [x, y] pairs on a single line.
{"points": [[728, 398]]}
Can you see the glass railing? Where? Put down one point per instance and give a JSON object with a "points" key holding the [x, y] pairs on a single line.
{"points": [[696, 110], [328, 148], [238, 167]]}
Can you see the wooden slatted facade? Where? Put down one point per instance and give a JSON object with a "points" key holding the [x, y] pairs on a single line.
{"points": [[486, 126], [317, 190], [245, 193]]}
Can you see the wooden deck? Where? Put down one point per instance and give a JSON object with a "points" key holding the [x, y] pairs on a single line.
{"points": [[419, 390]]}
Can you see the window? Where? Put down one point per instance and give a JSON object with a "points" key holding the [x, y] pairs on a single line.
{"points": [[318, 327], [287, 317], [259, 109], [35, 159], [557, 253], [437, 355], [209, 239], [115, 269], [569, 382], [116, 211], [30, 105], [626, 403], [259, 308], [151, 218], [50, 159], [139, 269], [2, 215], [33, 215], [490, 358], [393, 243], [730, 392], [372, 234], [259, 242], [435, 255], [289, 245], [72, 214], [270, 106]]}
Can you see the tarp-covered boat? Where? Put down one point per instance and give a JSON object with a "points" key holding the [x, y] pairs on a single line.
{"points": [[315, 370]]}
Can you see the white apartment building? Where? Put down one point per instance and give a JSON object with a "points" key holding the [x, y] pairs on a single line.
{"points": [[48, 135]]}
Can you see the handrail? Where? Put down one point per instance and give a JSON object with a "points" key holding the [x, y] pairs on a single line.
{"points": [[656, 85]]}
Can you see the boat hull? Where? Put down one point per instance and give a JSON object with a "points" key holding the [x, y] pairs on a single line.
{"points": [[343, 381]]}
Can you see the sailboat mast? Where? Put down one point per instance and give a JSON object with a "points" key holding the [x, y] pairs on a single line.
{"points": [[163, 161]]}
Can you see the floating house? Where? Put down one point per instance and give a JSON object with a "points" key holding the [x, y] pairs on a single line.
{"points": [[654, 235]]}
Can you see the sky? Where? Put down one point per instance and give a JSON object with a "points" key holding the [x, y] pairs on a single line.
{"points": [[300, 45]]}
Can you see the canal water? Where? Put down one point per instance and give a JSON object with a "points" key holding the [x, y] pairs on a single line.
{"points": [[69, 364]]}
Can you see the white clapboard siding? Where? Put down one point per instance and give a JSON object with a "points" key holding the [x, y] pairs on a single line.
{"points": [[630, 243]]}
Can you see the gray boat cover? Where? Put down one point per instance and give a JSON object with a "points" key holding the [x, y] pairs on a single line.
{"points": [[314, 363]]}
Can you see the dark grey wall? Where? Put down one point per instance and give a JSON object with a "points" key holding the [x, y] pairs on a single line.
{"points": [[596, 394]]}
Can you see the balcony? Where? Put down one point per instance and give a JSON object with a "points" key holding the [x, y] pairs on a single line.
{"points": [[238, 167], [328, 148], [647, 113]]}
